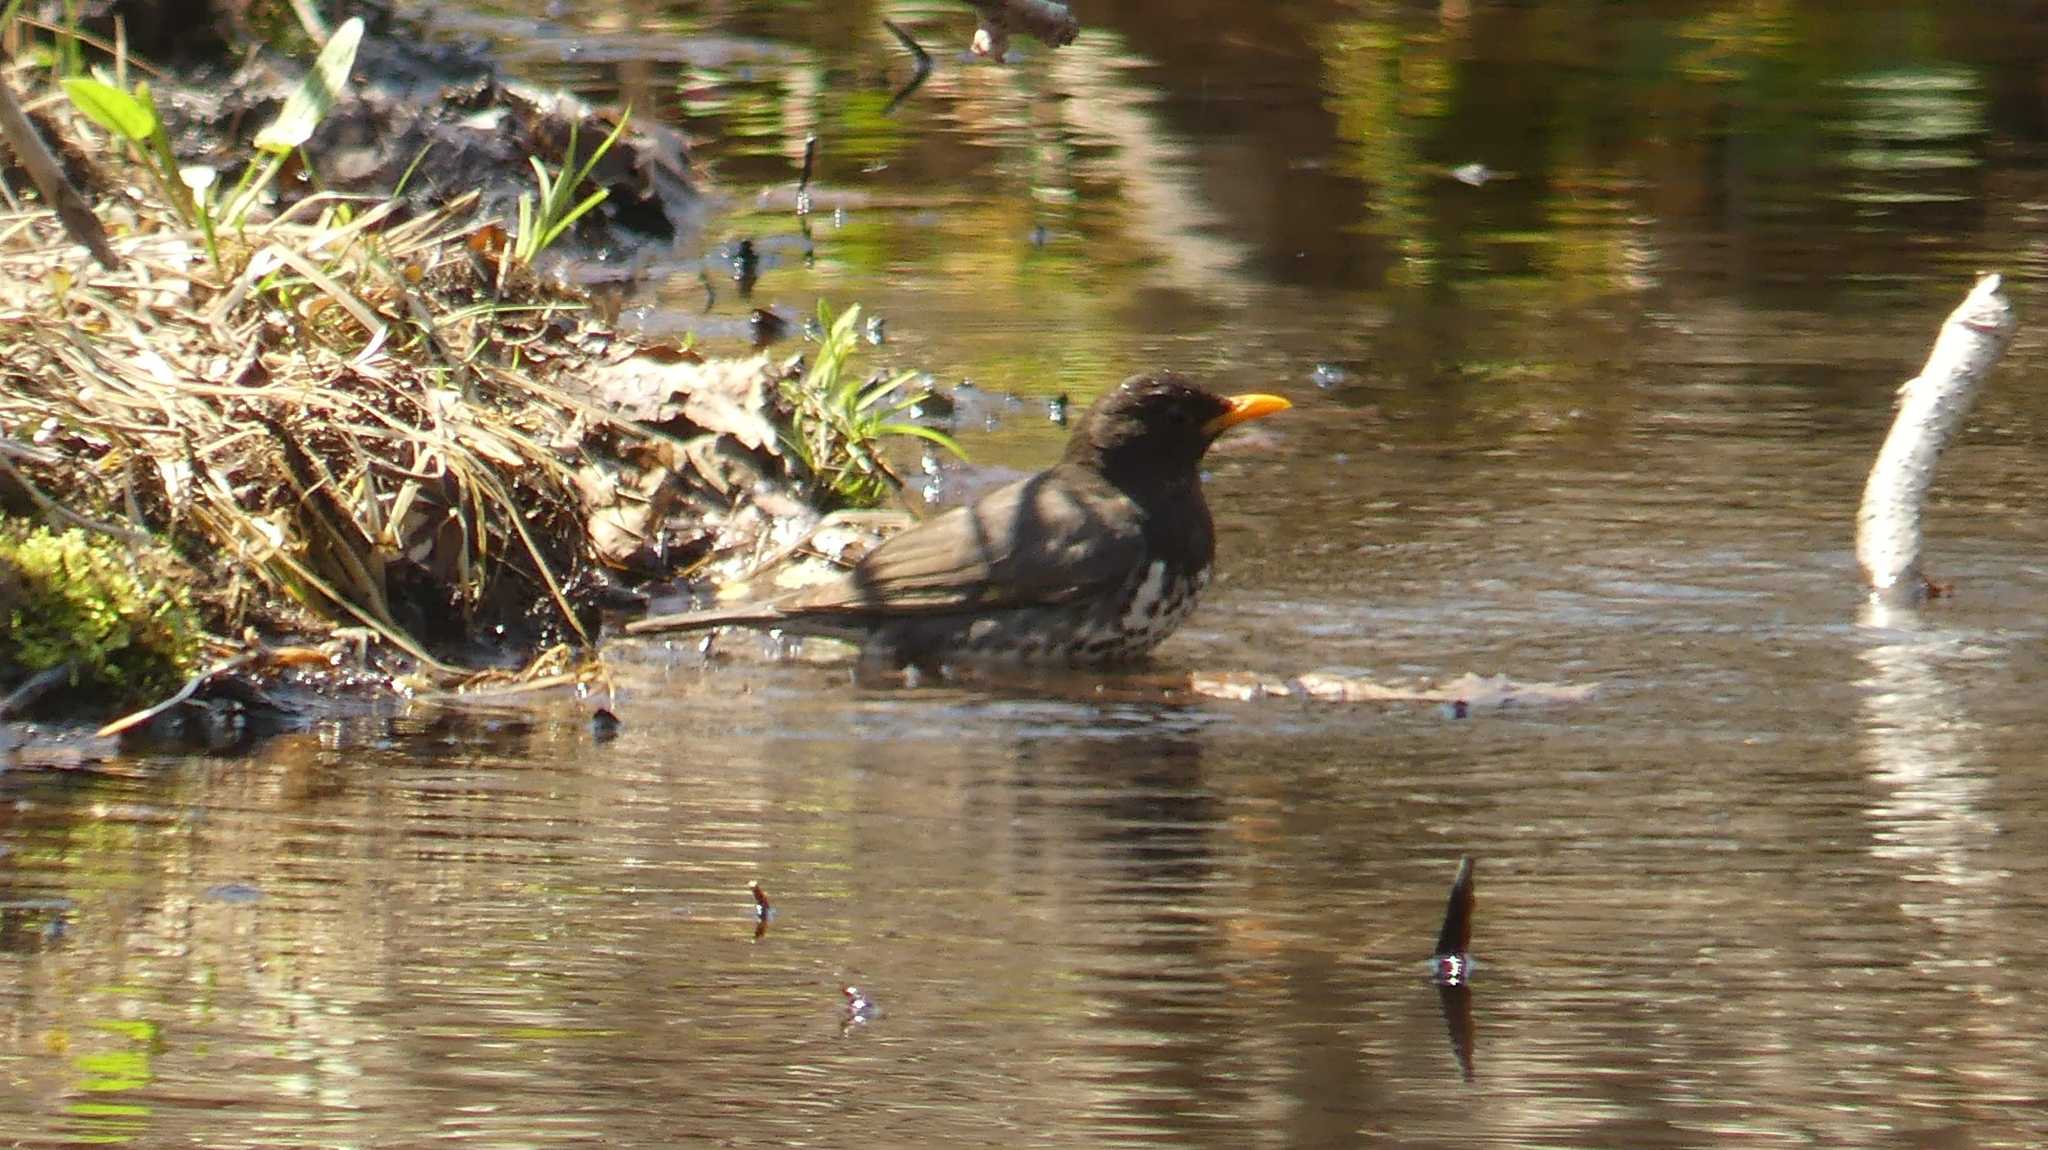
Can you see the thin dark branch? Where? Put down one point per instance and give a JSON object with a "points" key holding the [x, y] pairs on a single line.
{"points": [[183, 693], [923, 61], [36, 687], [72, 208], [803, 181], [1456, 936]]}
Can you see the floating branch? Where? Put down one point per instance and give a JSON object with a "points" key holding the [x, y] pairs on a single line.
{"points": [[1931, 408]]}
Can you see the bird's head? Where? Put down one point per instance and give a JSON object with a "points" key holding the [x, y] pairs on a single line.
{"points": [[1159, 425]]}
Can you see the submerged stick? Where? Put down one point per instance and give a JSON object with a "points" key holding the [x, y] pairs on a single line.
{"points": [[73, 211], [1931, 407]]}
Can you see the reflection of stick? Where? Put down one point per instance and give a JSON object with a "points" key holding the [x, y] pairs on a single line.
{"points": [[1048, 20], [919, 55], [1931, 408], [1456, 1002], [72, 209]]}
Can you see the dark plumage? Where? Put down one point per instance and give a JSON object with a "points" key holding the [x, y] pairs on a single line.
{"points": [[1095, 560]]}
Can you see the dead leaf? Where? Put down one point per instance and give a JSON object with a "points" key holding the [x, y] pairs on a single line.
{"points": [[723, 465], [733, 397], [623, 513]]}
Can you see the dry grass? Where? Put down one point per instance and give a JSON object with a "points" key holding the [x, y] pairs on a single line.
{"points": [[346, 411]]}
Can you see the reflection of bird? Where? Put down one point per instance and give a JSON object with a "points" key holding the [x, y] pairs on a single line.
{"points": [[1094, 560]]}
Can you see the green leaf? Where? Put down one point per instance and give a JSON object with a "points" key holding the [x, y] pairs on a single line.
{"points": [[111, 108], [316, 94], [568, 220], [928, 434], [886, 387]]}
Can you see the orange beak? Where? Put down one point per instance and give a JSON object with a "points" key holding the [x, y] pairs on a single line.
{"points": [[1243, 409]]}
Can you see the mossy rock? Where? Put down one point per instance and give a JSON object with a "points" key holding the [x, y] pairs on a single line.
{"points": [[92, 602]]}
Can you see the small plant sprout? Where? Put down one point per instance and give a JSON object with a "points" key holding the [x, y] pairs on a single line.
{"points": [[837, 420], [129, 115], [542, 221], [303, 110]]}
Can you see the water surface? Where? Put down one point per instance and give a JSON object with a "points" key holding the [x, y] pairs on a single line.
{"points": [[1600, 419]]}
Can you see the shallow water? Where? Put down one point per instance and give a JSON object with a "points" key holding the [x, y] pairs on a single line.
{"points": [[1600, 421]]}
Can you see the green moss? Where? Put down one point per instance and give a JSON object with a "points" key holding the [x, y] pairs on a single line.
{"points": [[88, 600]]}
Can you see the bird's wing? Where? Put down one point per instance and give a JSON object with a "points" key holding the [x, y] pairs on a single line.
{"points": [[1057, 536]]}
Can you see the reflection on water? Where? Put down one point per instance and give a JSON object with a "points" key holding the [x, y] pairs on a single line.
{"points": [[1600, 416], [1926, 752]]}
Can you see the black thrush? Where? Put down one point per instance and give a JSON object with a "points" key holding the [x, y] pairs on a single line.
{"points": [[1095, 560]]}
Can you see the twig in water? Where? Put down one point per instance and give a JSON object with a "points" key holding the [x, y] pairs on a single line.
{"points": [[192, 685], [1451, 968], [803, 181], [1452, 961], [1931, 409], [923, 69]]}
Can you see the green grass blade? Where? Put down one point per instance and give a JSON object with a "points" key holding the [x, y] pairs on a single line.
{"points": [[590, 201], [316, 94], [929, 434]]}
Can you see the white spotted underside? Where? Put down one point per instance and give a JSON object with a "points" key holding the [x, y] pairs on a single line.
{"points": [[1155, 609]]}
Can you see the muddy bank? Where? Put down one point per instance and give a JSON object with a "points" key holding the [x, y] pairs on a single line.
{"points": [[367, 437]]}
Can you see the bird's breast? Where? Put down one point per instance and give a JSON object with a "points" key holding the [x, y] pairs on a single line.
{"points": [[1153, 606]]}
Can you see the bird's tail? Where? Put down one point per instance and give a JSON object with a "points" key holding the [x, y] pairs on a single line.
{"points": [[746, 613]]}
